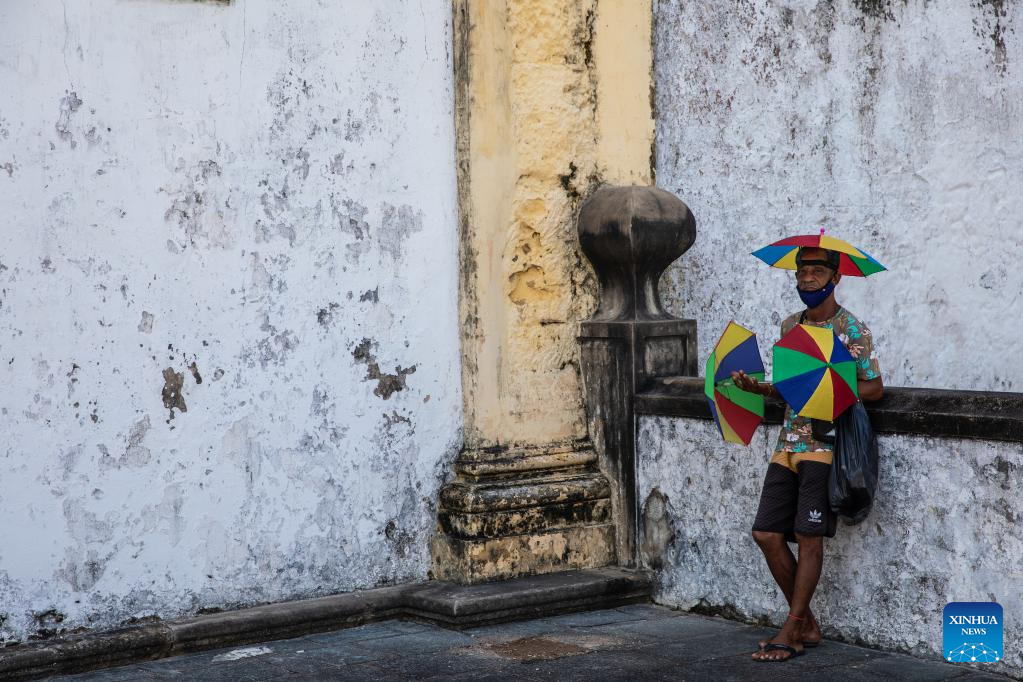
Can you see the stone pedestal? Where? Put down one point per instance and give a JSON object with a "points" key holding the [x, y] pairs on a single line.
{"points": [[551, 100], [523, 511], [630, 235]]}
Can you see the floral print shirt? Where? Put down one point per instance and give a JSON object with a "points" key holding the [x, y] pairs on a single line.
{"points": [[796, 434]]}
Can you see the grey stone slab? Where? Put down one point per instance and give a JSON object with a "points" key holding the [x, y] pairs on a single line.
{"points": [[742, 667], [649, 611], [200, 668], [350, 653], [835, 654], [508, 631], [603, 665], [513, 672], [363, 672], [902, 667], [445, 664], [592, 618], [311, 662], [428, 641], [858, 674], [282, 646], [370, 631], [682, 627], [984, 677], [707, 646], [409, 625]]}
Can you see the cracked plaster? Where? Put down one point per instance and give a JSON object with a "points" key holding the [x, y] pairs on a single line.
{"points": [[895, 124], [234, 191]]}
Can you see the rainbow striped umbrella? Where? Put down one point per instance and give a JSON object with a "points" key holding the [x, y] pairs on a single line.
{"points": [[851, 261], [737, 413], [814, 372]]}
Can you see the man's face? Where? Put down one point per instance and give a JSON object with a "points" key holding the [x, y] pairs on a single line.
{"points": [[814, 277]]}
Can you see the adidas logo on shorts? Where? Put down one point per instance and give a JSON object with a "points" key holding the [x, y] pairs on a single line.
{"points": [[815, 516]]}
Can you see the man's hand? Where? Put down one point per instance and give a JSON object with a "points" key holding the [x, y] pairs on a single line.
{"points": [[747, 383]]}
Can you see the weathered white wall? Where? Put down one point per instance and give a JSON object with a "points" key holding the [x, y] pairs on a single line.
{"points": [[896, 124], [945, 527], [260, 194]]}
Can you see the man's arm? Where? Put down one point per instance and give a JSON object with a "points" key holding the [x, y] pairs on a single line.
{"points": [[870, 390]]}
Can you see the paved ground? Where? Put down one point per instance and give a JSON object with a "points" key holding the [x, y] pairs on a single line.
{"points": [[637, 643]]}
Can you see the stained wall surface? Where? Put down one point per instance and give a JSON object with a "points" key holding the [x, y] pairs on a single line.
{"points": [[895, 124], [945, 528], [544, 119], [228, 293]]}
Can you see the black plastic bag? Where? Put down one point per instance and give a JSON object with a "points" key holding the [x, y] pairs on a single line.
{"points": [[853, 480]]}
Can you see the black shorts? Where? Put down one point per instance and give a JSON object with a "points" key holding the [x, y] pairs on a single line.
{"points": [[794, 502]]}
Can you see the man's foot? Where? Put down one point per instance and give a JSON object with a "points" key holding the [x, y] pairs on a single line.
{"points": [[783, 646], [769, 657], [810, 635]]}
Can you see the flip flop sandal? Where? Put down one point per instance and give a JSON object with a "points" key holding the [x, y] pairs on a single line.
{"points": [[793, 653], [806, 645]]}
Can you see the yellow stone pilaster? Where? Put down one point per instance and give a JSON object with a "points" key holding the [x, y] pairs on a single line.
{"points": [[552, 100]]}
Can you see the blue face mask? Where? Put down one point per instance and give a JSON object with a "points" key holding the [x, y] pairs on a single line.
{"points": [[812, 299]]}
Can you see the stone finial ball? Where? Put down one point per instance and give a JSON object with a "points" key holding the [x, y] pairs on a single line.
{"points": [[631, 227]]}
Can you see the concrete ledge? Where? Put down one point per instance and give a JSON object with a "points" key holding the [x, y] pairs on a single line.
{"points": [[523, 598], [445, 604], [939, 413], [87, 652]]}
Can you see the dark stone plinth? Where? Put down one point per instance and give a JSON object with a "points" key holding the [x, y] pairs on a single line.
{"points": [[524, 511], [630, 235]]}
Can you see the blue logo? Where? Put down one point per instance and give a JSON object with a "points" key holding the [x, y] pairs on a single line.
{"points": [[972, 632]]}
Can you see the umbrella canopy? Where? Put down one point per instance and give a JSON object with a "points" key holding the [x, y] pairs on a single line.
{"points": [[814, 372], [851, 261], [737, 413]]}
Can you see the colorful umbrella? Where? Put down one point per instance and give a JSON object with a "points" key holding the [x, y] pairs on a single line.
{"points": [[814, 372], [851, 261], [737, 413]]}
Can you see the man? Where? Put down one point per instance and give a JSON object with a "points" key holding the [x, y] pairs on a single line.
{"points": [[794, 502]]}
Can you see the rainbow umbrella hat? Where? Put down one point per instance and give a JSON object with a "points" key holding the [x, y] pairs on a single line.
{"points": [[851, 261], [814, 372], [737, 413]]}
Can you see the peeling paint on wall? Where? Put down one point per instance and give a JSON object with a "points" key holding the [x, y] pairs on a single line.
{"points": [[387, 384], [896, 125], [173, 382], [221, 209]]}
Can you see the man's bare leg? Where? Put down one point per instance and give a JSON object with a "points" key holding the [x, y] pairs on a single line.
{"points": [[787, 574], [783, 567]]}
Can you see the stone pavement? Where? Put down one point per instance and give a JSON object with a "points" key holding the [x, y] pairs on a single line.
{"points": [[637, 642]]}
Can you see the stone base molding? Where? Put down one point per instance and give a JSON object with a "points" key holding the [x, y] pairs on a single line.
{"points": [[523, 511]]}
